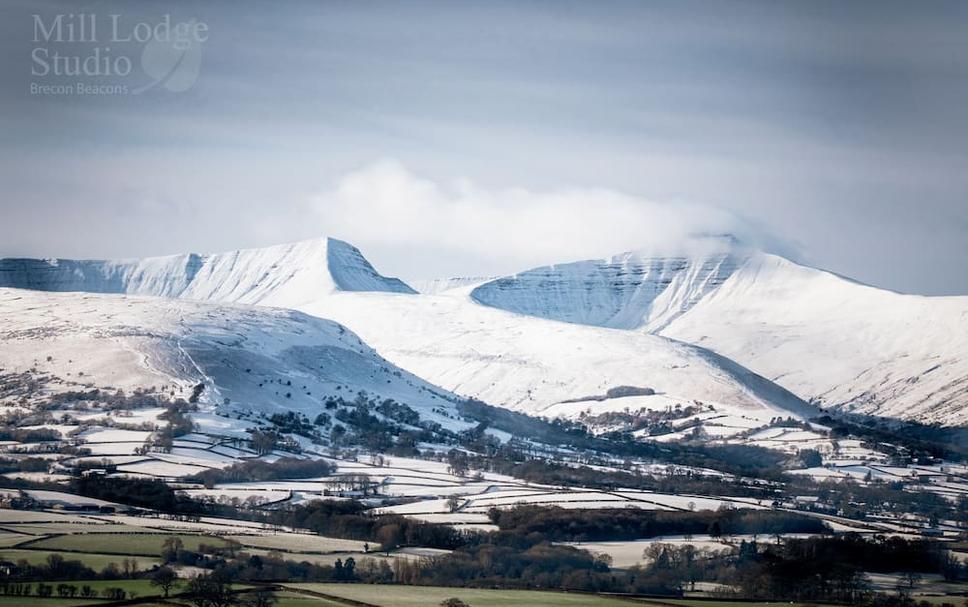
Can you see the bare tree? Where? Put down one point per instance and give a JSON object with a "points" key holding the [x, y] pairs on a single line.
{"points": [[164, 578]]}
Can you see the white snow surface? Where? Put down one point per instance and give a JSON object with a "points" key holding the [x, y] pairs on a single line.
{"points": [[504, 358], [707, 323], [845, 344], [134, 342], [284, 275], [823, 337], [623, 292], [531, 364], [433, 286]]}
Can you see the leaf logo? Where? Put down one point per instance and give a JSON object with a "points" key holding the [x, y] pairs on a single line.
{"points": [[171, 63]]}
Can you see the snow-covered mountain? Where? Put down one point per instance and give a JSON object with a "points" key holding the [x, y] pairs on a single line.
{"points": [[545, 367], [826, 338], [259, 358], [622, 292], [708, 322], [451, 340], [844, 344], [284, 275]]}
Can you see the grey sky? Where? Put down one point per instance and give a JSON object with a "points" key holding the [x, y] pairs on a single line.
{"points": [[838, 129]]}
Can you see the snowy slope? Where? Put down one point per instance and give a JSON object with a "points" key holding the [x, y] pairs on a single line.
{"points": [[451, 340], [821, 336], [694, 324], [283, 275], [433, 286], [623, 292], [845, 344], [136, 342], [532, 364]]}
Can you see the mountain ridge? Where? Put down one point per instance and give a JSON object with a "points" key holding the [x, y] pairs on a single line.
{"points": [[283, 275], [826, 339], [888, 353]]}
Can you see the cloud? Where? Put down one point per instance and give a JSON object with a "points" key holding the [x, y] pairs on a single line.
{"points": [[388, 206]]}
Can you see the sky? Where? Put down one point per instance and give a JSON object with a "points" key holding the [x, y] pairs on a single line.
{"points": [[480, 138]]}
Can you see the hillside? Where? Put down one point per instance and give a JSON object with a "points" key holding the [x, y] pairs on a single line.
{"points": [[251, 359], [535, 365], [625, 291], [825, 338], [844, 344]]}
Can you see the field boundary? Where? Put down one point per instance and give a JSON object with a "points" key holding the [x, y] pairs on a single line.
{"points": [[29, 545], [331, 597]]}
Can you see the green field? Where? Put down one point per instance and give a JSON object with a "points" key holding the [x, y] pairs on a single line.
{"points": [[141, 587], [92, 560], [144, 544], [703, 603], [284, 599], [292, 599], [55, 528], [32, 601], [941, 600], [10, 539], [431, 596]]}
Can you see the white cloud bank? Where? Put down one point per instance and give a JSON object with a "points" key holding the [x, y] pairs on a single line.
{"points": [[386, 206]]}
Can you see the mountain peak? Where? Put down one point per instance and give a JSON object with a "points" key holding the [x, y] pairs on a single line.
{"points": [[645, 287], [286, 275], [352, 272]]}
